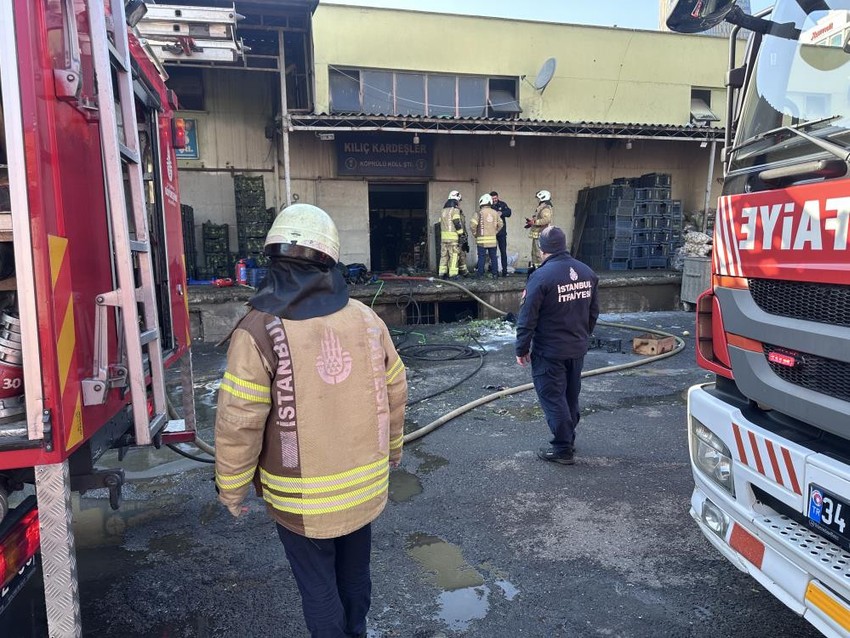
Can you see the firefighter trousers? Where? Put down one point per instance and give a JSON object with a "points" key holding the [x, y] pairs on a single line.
{"points": [[333, 577], [449, 256], [558, 383]]}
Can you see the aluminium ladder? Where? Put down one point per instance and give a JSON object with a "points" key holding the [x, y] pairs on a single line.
{"points": [[128, 218]]}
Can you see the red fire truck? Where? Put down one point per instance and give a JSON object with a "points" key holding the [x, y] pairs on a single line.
{"points": [[770, 438], [93, 303]]}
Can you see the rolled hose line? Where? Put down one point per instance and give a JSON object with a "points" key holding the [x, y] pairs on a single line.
{"points": [[427, 429]]}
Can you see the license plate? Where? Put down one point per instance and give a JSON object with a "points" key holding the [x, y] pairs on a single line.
{"points": [[830, 515]]}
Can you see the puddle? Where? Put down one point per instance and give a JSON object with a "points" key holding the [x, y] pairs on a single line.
{"points": [[509, 590], [404, 486], [465, 597], [96, 524], [428, 462], [460, 607]]}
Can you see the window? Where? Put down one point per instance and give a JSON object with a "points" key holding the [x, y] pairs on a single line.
{"points": [[701, 113], [472, 97], [345, 91], [502, 100], [421, 94], [410, 94], [188, 84]]}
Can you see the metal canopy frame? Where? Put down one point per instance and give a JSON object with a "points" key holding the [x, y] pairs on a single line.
{"points": [[509, 127]]}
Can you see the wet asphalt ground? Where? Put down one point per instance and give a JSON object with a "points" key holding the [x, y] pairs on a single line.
{"points": [[480, 538]]}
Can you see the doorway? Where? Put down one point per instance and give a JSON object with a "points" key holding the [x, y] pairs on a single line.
{"points": [[398, 227]]}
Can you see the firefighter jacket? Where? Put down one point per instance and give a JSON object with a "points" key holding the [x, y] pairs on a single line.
{"points": [[559, 309], [486, 223], [311, 412], [542, 217], [451, 224]]}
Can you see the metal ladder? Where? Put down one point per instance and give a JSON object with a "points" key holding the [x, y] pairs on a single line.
{"points": [[122, 164]]}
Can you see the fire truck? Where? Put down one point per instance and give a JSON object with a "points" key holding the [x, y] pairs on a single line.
{"points": [[770, 437], [93, 301]]}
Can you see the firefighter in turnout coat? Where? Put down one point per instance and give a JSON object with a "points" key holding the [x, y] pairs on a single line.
{"points": [[451, 230], [543, 217], [310, 412], [486, 224]]}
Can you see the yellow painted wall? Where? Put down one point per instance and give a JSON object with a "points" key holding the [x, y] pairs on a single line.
{"points": [[603, 74]]}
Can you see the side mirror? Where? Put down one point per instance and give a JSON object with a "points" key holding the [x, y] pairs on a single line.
{"points": [[694, 16]]}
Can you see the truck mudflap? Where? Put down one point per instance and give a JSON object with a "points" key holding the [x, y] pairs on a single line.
{"points": [[786, 551]]}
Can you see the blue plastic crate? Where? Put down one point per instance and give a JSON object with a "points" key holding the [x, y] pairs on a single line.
{"points": [[255, 276]]}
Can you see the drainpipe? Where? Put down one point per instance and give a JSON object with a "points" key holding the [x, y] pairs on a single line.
{"points": [[708, 182], [284, 116]]}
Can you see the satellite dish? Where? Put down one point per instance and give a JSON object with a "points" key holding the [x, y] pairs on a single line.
{"points": [[547, 72]]}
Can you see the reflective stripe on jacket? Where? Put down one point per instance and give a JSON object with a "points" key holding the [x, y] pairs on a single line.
{"points": [[543, 216], [311, 412], [451, 224], [486, 224]]}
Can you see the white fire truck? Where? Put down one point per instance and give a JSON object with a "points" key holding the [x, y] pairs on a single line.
{"points": [[770, 438], [93, 300]]}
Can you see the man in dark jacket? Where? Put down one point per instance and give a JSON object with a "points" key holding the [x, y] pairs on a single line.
{"points": [[557, 316], [502, 236]]}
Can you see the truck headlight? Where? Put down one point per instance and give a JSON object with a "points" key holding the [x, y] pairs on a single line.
{"points": [[712, 456]]}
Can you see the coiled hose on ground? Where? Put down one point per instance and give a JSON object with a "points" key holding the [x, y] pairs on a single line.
{"points": [[427, 429]]}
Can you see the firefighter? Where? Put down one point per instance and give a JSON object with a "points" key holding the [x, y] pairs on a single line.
{"points": [[557, 315], [486, 224], [311, 411], [451, 229], [537, 223]]}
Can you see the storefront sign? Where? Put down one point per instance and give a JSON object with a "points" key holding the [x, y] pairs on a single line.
{"points": [[384, 154], [190, 151]]}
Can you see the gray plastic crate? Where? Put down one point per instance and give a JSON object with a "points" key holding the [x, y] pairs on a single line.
{"points": [[696, 278]]}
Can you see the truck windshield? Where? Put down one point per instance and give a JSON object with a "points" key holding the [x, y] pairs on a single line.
{"points": [[803, 83]]}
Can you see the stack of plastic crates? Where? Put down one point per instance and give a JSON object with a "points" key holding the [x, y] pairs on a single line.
{"points": [[630, 224], [608, 212], [217, 257], [657, 223], [253, 218]]}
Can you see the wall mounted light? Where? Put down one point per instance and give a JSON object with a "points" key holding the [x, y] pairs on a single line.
{"points": [[703, 144], [512, 143], [628, 145], [416, 138]]}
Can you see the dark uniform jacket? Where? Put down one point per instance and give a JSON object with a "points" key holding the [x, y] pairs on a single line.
{"points": [[504, 211], [559, 309]]}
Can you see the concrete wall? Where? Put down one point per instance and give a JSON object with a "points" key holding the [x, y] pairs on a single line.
{"points": [[603, 74]]}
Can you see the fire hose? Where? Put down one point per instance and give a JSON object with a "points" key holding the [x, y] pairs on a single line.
{"points": [[427, 429]]}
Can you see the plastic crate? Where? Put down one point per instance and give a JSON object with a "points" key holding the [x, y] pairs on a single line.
{"points": [[649, 262], [215, 231], [653, 180], [661, 222], [617, 264], [255, 276]]}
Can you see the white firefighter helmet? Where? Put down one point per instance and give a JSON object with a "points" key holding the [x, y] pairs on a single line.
{"points": [[543, 196], [303, 231], [11, 380], [485, 200], [455, 195]]}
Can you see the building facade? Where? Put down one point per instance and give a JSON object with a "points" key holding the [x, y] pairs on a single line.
{"points": [[389, 110]]}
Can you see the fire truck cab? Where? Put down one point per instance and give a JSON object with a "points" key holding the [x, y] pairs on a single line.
{"points": [[770, 438], [93, 302]]}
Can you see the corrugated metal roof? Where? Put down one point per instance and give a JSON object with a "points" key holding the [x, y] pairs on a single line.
{"points": [[501, 126]]}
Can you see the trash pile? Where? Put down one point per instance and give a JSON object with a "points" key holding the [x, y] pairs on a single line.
{"points": [[696, 244]]}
